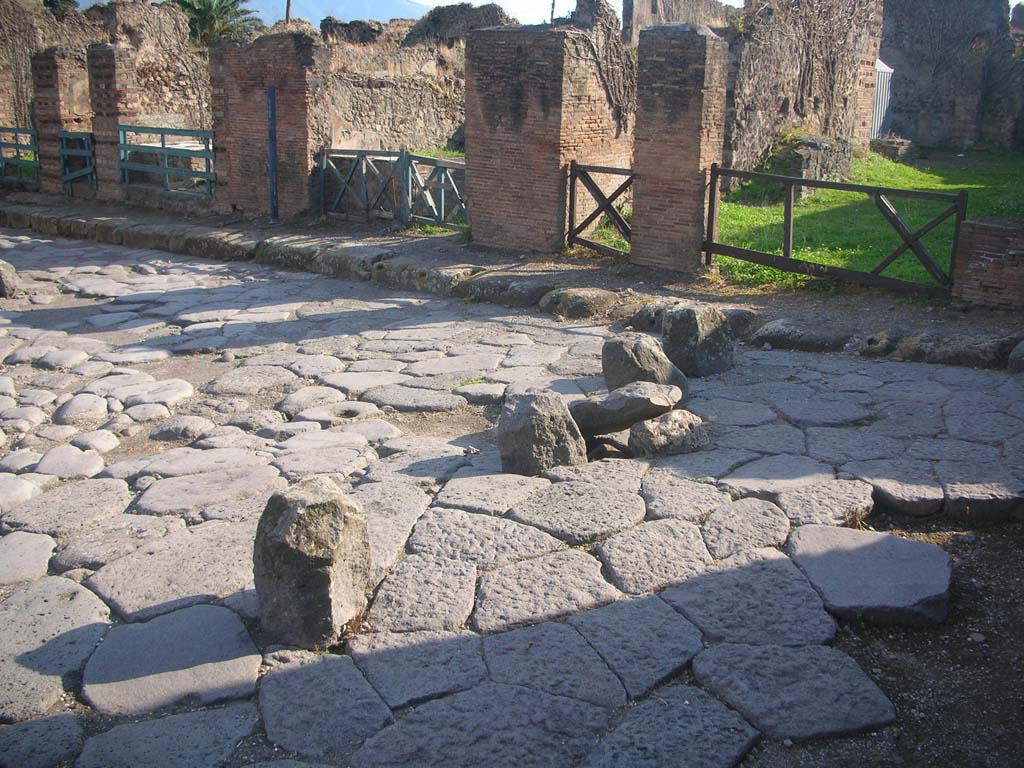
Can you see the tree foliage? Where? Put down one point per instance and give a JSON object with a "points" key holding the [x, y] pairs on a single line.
{"points": [[210, 19]]}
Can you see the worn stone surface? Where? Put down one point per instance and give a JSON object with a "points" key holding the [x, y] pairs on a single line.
{"points": [[188, 495], [191, 740], [770, 476], [623, 407], [68, 462], [392, 509], [82, 410], [909, 486], [181, 428], [504, 726], [681, 725], [69, 509], [631, 357], [838, 502], [299, 701], [794, 693], [15, 491], [757, 597], [670, 496], [874, 576], [553, 658], [536, 432], [742, 525], [410, 667], [311, 563], [51, 626], [654, 555], [578, 512], [672, 432], [548, 587], [201, 653], [698, 340], [412, 399], [622, 474], [42, 743], [643, 641], [487, 493], [424, 593], [24, 557], [250, 379]]}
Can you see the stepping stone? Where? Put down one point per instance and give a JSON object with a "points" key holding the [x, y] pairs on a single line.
{"points": [[412, 667], [81, 411], [742, 525], [669, 496], [112, 538], [318, 705], [620, 474], [732, 412], [392, 510], [67, 462], [66, 511], [907, 485], [15, 491], [579, 512], [192, 740], [767, 438], [874, 576], [424, 593], [681, 725], [408, 399], [757, 597], [548, 587], [500, 726], [488, 494], [553, 658], [42, 743], [767, 477], [24, 557], [308, 397], [51, 626], [643, 641], [838, 502], [197, 565], [654, 555], [250, 379], [355, 384], [486, 542], [190, 461], [794, 693], [202, 653], [187, 496]]}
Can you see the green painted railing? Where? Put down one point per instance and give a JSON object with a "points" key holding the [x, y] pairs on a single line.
{"points": [[19, 154], [77, 159], [128, 153]]}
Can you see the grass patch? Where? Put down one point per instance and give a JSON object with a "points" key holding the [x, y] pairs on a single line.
{"points": [[444, 153]]}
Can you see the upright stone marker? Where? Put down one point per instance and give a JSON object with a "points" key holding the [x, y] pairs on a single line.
{"points": [[536, 433]]}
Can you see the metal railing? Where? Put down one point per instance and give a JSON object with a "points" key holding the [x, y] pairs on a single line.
{"points": [[19, 152], [77, 159], [130, 152]]}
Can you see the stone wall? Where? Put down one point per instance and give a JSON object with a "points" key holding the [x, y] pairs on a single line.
{"points": [[637, 14], [989, 270]]}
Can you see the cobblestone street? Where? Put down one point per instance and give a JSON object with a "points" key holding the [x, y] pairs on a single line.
{"points": [[625, 612]]}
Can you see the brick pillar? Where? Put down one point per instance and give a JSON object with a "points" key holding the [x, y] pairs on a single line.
{"points": [[678, 135], [867, 78], [114, 95], [61, 102]]}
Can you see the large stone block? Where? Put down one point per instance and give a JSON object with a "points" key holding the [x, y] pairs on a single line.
{"points": [[698, 340], [536, 433]]}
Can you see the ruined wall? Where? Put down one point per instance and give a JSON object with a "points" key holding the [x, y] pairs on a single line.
{"points": [[989, 269], [637, 14], [954, 71], [448, 24]]}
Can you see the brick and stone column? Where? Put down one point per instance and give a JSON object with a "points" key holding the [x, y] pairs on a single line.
{"points": [[679, 133], [61, 103], [114, 95], [867, 78]]}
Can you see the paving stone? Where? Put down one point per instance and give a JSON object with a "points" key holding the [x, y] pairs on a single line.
{"points": [[107, 385], [15, 491], [65, 511], [319, 705], [190, 461], [578, 512], [191, 740], [424, 461], [794, 693], [197, 565], [742, 525], [732, 412], [654, 555], [314, 366], [67, 462], [989, 427], [553, 658], [643, 641], [424, 593], [182, 428], [253, 421], [481, 393], [455, 364], [948, 449], [279, 432], [495, 725], [767, 438], [756, 597], [670, 496], [25, 418], [250, 379], [42, 743], [341, 413], [148, 412], [98, 441], [411, 667], [620, 474], [490, 494], [837, 502], [308, 397], [340, 462], [772, 475], [19, 461], [202, 654], [82, 410], [355, 384], [392, 510], [702, 465], [874, 576], [543, 588], [24, 557], [375, 431], [188, 495], [484, 541], [415, 400], [681, 725], [908, 485], [369, 366], [51, 626], [167, 392], [110, 539], [62, 358], [980, 493], [838, 445]]}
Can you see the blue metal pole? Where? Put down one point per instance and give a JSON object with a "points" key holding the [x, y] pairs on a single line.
{"points": [[272, 150]]}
